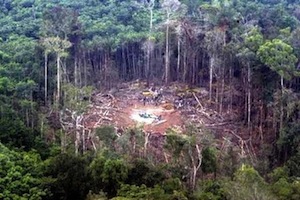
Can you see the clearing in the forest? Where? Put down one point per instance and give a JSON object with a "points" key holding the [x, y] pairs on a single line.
{"points": [[178, 106]]}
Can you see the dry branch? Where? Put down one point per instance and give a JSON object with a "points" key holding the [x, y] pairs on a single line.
{"points": [[198, 101], [160, 122], [112, 109]]}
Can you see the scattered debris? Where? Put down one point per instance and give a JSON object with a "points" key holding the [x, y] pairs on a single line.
{"points": [[156, 110]]}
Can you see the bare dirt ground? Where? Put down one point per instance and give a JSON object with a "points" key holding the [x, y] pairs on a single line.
{"points": [[130, 117], [123, 110], [122, 107]]}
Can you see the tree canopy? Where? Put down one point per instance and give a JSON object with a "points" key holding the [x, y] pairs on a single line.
{"points": [[56, 55]]}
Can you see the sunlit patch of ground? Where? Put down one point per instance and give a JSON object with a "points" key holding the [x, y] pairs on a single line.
{"points": [[147, 115], [133, 115]]}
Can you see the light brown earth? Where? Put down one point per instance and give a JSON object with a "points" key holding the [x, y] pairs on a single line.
{"points": [[129, 117], [120, 108]]}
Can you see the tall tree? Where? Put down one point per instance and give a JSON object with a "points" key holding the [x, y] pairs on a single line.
{"points": [[279, 56], [150, 6], [170, 7], [188, 150], [60, 26], [252, 41], [59, 47], [71, 117], [214, 41]]}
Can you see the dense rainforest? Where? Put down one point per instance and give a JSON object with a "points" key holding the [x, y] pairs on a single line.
{"points": [[55, 56]]}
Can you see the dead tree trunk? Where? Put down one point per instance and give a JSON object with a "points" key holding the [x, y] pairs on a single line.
{"points": [[147, 135], [281, 106], [58, 79], [196, 164], [222, 90], [249, 98], [212, 62], [167, 56], [46, 77], [185, 68], [178, 59]]}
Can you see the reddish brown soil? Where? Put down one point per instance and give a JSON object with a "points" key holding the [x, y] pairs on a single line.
{"points": [[122, 110], [123, 119]]}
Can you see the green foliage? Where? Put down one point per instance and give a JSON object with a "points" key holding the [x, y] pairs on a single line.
{"points": [[117, 22], [282, 189], [20, 175], [96, 169], [107, 135], [100, 196], [209, 189], [253, 40], [70, 177], [76, 99], [114, 172], [17, 86], [59, 22], [229, 162], [56, 45], [279, 56], [175, 143], [13, 131], [294, 40], [247, 175], [293, 164], [247, 184], [283, 186], [209, 163], [108, 174], [141, 172], [142, 192], [171, 185], [278, 173], [93, 37], [132, 141], [288, 141]]}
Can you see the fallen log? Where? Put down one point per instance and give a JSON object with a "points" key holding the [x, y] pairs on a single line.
{"points": [[160, 122], [197, 100], [106, 118], [218, 124]]}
